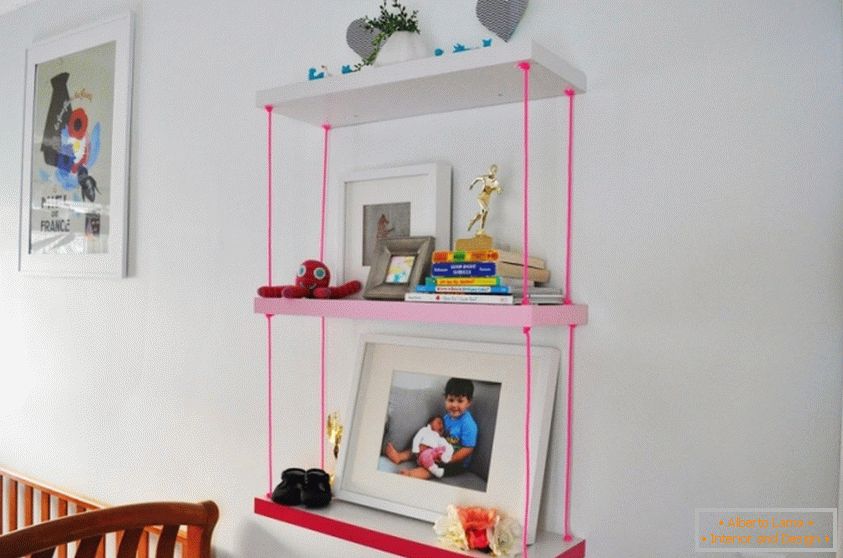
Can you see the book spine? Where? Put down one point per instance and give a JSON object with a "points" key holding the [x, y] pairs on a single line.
{"points": [[518, 259], [465, 256], [515, 272], [459, 298], [464, 269], [465, 289], [463, 281]]}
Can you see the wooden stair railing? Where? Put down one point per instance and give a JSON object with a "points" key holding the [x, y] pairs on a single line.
{"points": [[18, 498]]}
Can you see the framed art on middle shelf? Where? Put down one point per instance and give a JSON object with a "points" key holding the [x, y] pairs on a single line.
{"points": [[399, 265], [412, 200], [401, 387]]}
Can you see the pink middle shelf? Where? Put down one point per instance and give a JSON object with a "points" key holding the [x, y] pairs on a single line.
{"points": [[475, 314]]}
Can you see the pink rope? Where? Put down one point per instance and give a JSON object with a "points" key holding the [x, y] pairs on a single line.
{"points": [[269, 396], [268, 194], [326, 128], [525, 67], [269, 282], [527, 413], [570, 94], [570, 431], [570, 422], [322, 396]]}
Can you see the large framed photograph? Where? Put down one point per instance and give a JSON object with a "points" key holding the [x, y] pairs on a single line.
{"points": [[396, 202], [76, 152], [413, 395]]}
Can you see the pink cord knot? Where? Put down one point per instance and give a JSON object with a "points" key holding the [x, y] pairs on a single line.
{"points": [[526, 330], [524, 65], [326, 126], [570, 92], [267, 108]]}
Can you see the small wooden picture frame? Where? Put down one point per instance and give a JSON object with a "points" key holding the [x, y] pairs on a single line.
{"points": [[399, 265]]}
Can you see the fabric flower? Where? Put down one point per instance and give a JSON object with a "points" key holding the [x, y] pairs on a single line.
{"points": [[475, 528], [477, 539], [450, 530], [505, 536], [477, 518]]}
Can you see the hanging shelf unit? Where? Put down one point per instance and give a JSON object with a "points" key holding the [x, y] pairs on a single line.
{"points": [[468, 80]]}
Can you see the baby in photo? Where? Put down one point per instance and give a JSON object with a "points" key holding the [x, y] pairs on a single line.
{"points": [[431, 446]]}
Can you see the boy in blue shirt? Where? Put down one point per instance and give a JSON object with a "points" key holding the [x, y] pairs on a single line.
{"points": [[460, 427]]}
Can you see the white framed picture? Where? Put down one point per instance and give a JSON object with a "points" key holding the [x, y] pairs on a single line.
{"points": [[403, 387], [74, 179], [387, 203]]}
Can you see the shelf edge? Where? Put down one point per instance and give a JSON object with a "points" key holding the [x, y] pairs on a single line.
{"points": [[517, 315], [318, 521]]}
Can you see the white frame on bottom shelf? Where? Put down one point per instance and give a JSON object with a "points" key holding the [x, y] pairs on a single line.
{"points": [[397, 534], [361, 480]]}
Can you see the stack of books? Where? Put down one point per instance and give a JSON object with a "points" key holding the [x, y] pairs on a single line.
{"points": [[481, 277]]}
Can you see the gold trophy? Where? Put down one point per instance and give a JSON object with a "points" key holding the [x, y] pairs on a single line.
{"points": [[481, 240], [334, 431]]}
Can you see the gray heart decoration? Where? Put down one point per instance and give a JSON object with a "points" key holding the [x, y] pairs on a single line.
{"points": [[501, 17], [359, 38]]}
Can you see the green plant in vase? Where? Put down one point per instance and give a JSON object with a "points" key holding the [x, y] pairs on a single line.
{"points": [[387, 23]]}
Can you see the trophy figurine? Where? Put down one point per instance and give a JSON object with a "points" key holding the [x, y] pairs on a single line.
{"points": [[481, 240], [334, 432]]}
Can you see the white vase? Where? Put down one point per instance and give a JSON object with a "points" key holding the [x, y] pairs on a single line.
{"points": [[400, 47]]}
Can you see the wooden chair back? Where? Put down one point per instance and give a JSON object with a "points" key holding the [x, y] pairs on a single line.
{"points": [[88, 529]]}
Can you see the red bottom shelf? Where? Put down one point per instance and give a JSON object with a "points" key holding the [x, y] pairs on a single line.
{"points": [[394, 533]]}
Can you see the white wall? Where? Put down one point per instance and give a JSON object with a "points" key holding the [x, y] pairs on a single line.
{"points": [[708, 215]]}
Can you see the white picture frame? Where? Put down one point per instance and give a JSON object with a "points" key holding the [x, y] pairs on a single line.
{"points": [[75, 169], [420, 193], [363, 472]]}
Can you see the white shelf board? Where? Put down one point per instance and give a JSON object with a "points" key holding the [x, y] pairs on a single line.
{"points": [[396, 534], [428, 312], [475, 78]]}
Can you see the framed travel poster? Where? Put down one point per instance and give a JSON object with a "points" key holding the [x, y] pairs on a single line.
{"points": [[74, 182]]}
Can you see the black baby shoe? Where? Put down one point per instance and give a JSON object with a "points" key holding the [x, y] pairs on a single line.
{"points": [[289, 491], [316, 492]]}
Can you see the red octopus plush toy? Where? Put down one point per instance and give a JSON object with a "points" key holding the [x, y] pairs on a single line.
{"points": [[312, 281]]}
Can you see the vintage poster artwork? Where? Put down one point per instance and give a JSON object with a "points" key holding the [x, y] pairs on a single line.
{"points": [[71, 182], [382, 221]]}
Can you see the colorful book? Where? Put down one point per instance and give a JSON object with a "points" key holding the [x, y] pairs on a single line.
{"points": [[463, 269], [516, 282], [539, 299], [516, 258], [464, 289], [534, 291], [463, 281], [493, 255], [464, 256], [459, 298], [516, 271]]}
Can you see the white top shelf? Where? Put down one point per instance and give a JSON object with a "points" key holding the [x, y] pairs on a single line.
{"points": [[475, 78]]}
